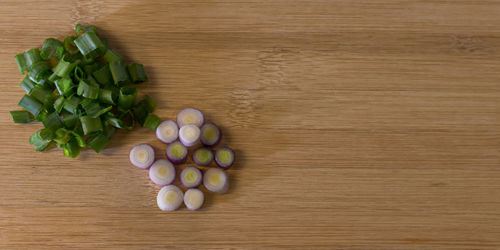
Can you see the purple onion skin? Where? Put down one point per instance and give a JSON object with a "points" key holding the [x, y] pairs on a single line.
{"points": [[195, 160], [220, 164], [205, 142], [195, 185], [173, 159]]}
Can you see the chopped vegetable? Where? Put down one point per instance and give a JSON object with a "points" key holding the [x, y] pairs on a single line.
{"points": [[142, 156], [52, 48], [162, 172], [78, 90], [169, 198], [194, 198], [224, 157], [189, 135], [152, 121], [191, 177], [21, 116], [190, 116], [215, 180], [203, 156], [167, 131], [176, 152], [210, 134]]}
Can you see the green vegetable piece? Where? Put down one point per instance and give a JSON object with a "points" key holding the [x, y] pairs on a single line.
{"points": [[62, 135], [126, 98], [112, 56], [59, 104], [152, 121], [53, 121], [107, 96], [65, 86], [103, 75], [90, 45], [72, 148], [27, 59], [64, 67], [31, 104], [119, 73], [41, 139], [81, 28], [88, 89], [90, 124], [39, 71], [69, 45], [70, 120], [93, 109], [41, 94], [21, 116], [136, 72], [52, 48], [27, 84], [98, 142], [71, 104]]}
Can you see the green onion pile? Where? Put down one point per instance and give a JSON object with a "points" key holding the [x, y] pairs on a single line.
{"points": [[80, 90]]}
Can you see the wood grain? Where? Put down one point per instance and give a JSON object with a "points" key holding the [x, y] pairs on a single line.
{"points": [[357, 125]]}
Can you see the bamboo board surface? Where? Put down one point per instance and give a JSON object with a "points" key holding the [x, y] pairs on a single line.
{"points": [[357, 125]]}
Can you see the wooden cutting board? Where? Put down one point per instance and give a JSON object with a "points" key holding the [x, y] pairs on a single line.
{"points": [[357, 125]]}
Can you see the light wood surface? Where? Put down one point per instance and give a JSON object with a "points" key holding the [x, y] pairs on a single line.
{"points": [[357, 125]]}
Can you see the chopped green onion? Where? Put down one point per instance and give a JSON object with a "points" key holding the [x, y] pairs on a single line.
{"points": [[79, 74], [69, 45], [81, 28], [64, 68], [52, 48], [21, 116], [53, 77], [119, 73], [59, 104], [42, 115], [90, 124], [72, 148], [90, 68], [89, 44], [107, 96], [65, 86], [79, 139], [81, 97], [69, 119], [27, 84], [71, 104], [148, 103], [31, 104], [88, 89], [117, 123], [94, 110], [26, 59], [62, 135], [137, 73], [126, 98], [112, 56], [39, 70], [152, 121], [98, 142], [53, 121], [40, 93], [41, 139], [103, 75]]}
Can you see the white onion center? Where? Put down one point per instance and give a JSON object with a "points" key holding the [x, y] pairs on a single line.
{"points": [[190, 134]]}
